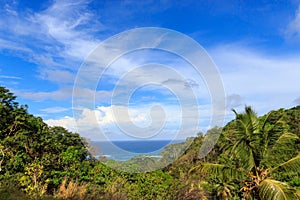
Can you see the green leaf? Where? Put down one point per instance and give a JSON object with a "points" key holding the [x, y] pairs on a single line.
{"points": [[270, 189], [290, 165], [219, 171]]}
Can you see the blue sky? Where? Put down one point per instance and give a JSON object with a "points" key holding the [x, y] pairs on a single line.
{"points": [[255, 46]]}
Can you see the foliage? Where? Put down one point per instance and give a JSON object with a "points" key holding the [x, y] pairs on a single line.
{"points": [[254, 158], [32, 180], [253, 144]]}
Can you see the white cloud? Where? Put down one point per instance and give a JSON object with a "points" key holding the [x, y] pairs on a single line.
{"points": [[9, 80], [81, 95], [263, 81], [66, 122], [9, 77], [55, 39], [9, 9], [13, 46], [57, 76], [69, 23], [54, 109], [128, 74], [102, 123], [292, 31], [65, 33], [58, 95]]}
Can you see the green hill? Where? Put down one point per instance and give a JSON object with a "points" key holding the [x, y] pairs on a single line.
{"points": [[254, 158]]}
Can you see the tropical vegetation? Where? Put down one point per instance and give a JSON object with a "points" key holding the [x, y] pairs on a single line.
{"points": [[254, 158]]}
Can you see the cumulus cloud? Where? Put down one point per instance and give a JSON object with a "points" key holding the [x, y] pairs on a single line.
{"points": [[95, 124], [103, 123], [64, 34], [101, 116], [66, 122]]}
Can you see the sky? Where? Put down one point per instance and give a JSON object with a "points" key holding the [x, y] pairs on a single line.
{"points": [[46, 48]]}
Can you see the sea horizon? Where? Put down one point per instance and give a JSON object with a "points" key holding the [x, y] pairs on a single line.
{"points": [[138, 140], [123, 150]]}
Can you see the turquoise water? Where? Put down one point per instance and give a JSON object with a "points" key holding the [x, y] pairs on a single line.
{"points": [[124, 150]]}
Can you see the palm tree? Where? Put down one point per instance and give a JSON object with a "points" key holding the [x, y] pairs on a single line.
{"points": [[252, 146]]}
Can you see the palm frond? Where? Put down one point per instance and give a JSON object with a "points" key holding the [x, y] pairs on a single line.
{"points": [[219, 171], [227, 144], [270, 132], [247, 138], [290, 165], [282, 149], [266, 135], [286, 138], [235, 112], [270, 189], [265, 122], [243, 152]]}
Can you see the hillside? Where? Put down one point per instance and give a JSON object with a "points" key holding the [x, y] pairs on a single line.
{"points": [[254, 158]]}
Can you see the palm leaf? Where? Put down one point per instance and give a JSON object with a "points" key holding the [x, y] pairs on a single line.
{"points": [[270, 189], [290, 165], [244, 153], [282, 150], [219, 171], [246, 139], [226, 143], [286, 138], [267, 136]]}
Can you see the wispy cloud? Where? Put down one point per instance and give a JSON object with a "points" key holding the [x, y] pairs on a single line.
{"points": [[54, 109], [60, 36], [9, 80], [261, 80], [10, 77], [72, 25], [56, 39], [9, 8], [57, 95], [13, 46], [65, 27], [65, 94], [57, 76], [292, 31]]}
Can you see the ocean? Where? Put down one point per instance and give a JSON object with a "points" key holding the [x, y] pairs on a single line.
{"points": [[125, 150]]}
